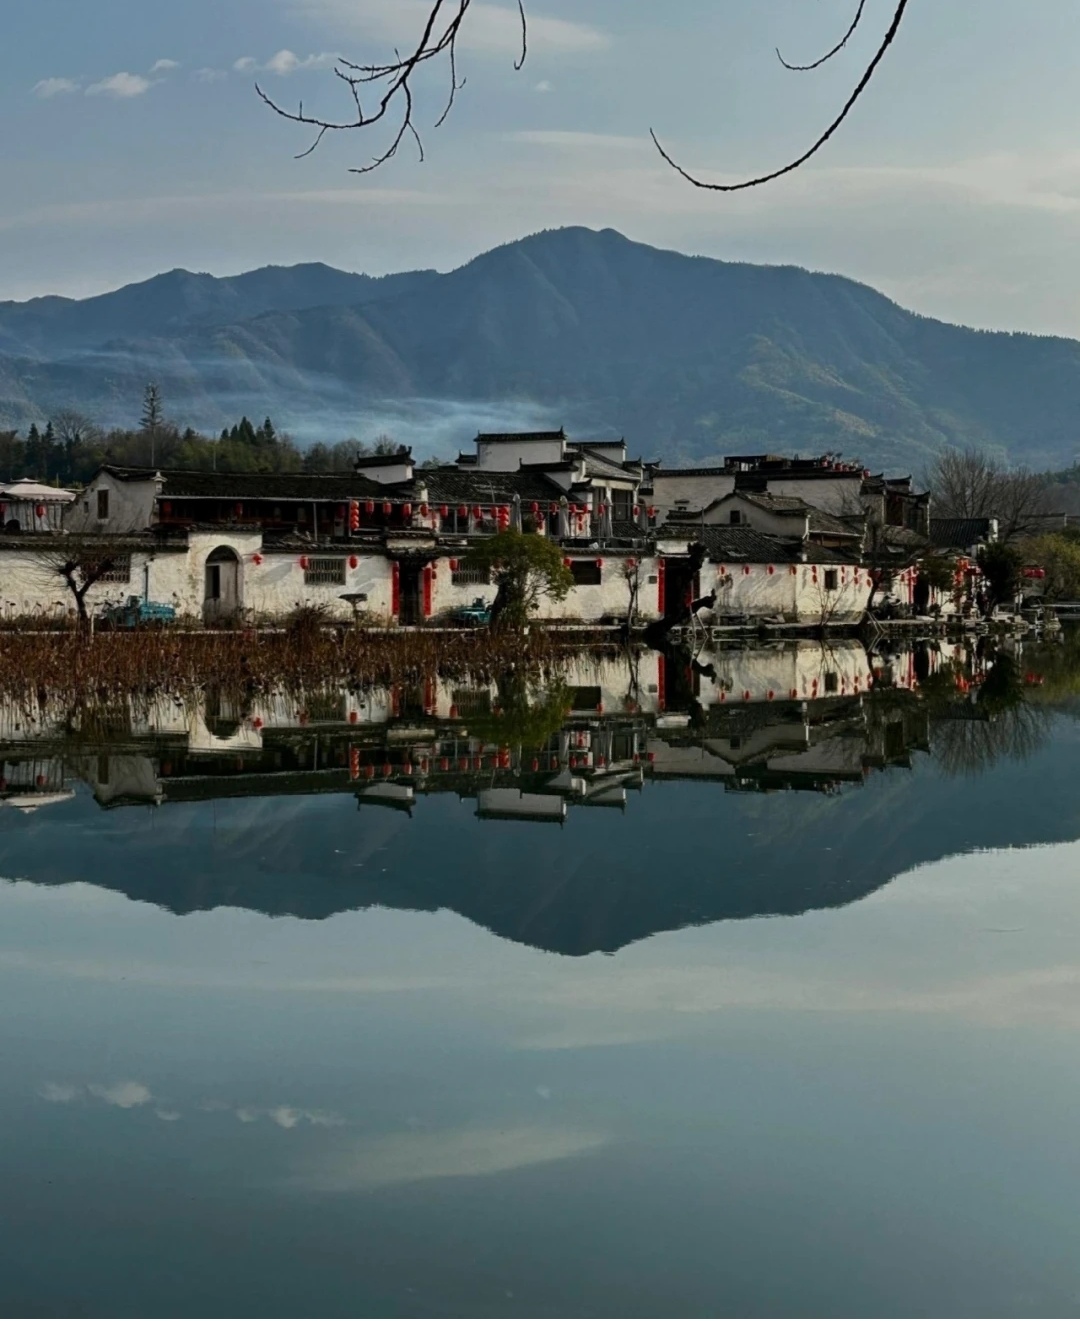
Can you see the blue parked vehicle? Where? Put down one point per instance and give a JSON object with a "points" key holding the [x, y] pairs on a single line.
{"points": [[477, 615], [137, 613]]}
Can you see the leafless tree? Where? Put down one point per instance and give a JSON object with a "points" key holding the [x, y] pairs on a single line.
{"points": [[389, 88], [74, 428], [81, 561], [970, 484]]}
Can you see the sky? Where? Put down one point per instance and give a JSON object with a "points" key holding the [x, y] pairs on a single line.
{"points": [[135, 142]]}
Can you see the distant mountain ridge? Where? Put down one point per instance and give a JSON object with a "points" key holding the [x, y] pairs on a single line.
{"points": [[689, 357]]}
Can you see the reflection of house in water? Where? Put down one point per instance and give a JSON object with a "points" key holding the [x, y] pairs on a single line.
{"points": [[799, 716]]}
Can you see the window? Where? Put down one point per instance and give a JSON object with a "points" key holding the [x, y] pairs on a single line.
{"points": [[467, 575], [832, 580], [622, 505], [736, 517], [324, 573], [832, 681], [586, 573], [471, 702], [585, 699], [121, 569], [103, 504]]}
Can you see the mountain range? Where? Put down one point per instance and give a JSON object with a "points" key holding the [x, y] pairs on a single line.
{"points": [[688, 357]]}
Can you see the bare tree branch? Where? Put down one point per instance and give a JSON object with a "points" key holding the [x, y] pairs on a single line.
{"points": [[520, 64], [392, 82], [800, 160], [805, 68]]}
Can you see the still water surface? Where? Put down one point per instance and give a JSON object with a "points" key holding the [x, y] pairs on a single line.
{"points": [[273, 1051]]}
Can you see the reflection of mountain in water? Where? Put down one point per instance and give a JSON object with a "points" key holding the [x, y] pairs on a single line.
{"points": [[706, 759]]}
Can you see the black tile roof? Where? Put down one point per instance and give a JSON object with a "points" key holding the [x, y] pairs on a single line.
{"points": [[481, 486], [276, 486], [200, 485], [958, 533], [742, 544], [487, 437]]}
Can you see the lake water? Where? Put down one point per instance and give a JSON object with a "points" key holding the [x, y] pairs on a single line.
{"points": [[331, 1012]]}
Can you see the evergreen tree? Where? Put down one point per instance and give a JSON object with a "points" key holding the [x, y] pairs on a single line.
{"points": [[152, 413]]}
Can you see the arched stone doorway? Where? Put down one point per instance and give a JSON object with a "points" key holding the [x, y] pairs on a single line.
{"points": [[221, 595]]}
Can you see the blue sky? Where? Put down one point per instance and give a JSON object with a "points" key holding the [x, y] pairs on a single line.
{"points": [[136, 144]]}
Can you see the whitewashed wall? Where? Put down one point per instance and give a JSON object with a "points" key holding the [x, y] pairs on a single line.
{"points": [[796, 592], [508, 456], [838, 494], [131, 506], [761, 520], [698, 491]]}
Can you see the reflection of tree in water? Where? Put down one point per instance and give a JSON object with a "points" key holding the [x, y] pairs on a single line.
{"points": [[970, 735], [968, 744]]}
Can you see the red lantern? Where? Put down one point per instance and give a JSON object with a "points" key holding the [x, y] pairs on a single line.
{"points": [[386, 507], [369, 506], [771, 569], [354, 717], [256, 558], [353, 562], [637, 511], [257, 723], [406, 511], [166, 507], [535, 507], [652, 511], [423, 511], [554, 507], [238, 509], [444, 511], [631, 563], [354, 515], [40, 511], [453, 566], [463, 511], [599, 564], [746, 569], [304, 561], [477, 512]]}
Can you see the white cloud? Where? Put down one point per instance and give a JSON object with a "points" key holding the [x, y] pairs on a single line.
{"points": [[169, 1116], [209, 75], [49, 87], [125, 1095], [163, 66], [122, 86], [60, 1093], [489, 28], [285, 62], [542, 86]]}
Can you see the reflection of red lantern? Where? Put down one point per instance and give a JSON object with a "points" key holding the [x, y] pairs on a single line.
{"points": [[353, 562], [40, 511]]}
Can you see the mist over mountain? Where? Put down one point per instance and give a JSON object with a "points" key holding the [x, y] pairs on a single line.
{"points": [[688, 357]]}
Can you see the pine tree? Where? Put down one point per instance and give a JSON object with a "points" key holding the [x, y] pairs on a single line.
{"points": [[152, 414]]}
